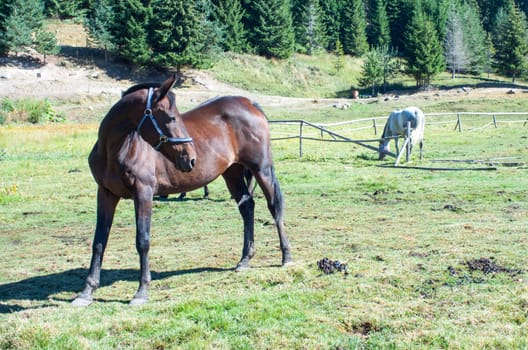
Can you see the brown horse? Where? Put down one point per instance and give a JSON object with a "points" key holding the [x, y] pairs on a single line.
{"points": [[145, 147]]}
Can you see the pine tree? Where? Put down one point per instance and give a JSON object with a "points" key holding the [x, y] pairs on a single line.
{"points": [[207, 43], [65, 8], [331, 21], [230, 14], [489, 51], [174, 35], [436, 12], [99, 25], [339, 62], [399, 15], [129, 30], [273, 32], [5, 11], [46, 44], [379, 65], [371, 71], [489, 10], [475, 37], [511, 41], [378, 30], [25, 17], [390, 63], [354, 35], [424, 53], [310, 35]]}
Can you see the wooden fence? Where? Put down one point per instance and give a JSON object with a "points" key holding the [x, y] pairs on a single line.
{"points": [[376, 123]]}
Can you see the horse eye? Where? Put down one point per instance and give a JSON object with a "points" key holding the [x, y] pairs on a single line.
{"points": [[172, 119]]}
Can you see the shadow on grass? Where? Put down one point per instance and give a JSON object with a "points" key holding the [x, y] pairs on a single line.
{"points": [[187, 199], [41, 288]]}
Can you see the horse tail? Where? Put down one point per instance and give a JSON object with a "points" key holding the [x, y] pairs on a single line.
{"points": [[276, 206], [417, 133]]}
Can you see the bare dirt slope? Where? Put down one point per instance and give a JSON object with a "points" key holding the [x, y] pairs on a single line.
{"points": [[64, 79]]}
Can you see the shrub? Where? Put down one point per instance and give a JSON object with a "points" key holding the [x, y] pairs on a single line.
{"points": [[28, 110]]}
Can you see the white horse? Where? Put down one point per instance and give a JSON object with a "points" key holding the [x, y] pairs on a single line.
{"points": [[396, 127]]}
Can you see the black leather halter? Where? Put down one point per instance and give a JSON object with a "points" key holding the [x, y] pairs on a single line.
{"points": [[162, 137]]}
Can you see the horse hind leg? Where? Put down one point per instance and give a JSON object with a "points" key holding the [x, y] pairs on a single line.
{"points": [[269, 184], [234, 178]]}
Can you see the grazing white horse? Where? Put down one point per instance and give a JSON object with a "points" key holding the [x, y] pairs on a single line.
{"points": [[396, 127]]}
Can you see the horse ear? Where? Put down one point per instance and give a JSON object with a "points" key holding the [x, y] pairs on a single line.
{"points": [[165, 88]]}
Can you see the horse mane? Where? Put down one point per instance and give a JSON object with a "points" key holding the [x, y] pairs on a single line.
{"points": [[141, 86], [259, 108], [387, 128]]}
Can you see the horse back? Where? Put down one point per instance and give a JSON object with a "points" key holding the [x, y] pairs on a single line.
{"points": [[229, 115], [232, 127]]}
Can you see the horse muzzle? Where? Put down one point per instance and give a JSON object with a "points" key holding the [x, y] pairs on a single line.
{"points": [[185, 164], [383, 151]]}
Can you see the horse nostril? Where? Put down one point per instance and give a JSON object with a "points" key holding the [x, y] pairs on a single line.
{"points": [[192, 163]]}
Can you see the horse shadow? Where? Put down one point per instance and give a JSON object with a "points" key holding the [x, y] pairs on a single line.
{"points": [[188, 199], [41, 288]]}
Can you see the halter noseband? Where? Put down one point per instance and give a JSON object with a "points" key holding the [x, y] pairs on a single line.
{"points": [[162, 137]]}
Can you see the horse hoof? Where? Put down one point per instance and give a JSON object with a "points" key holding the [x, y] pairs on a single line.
{"points": [[81, 302], [138, 301], [288, 263], [242, 267]]}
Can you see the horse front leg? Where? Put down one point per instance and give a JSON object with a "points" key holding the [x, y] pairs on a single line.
{"points": [[143, 211], [106, 205]]}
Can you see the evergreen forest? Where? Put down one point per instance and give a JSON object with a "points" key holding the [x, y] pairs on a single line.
{"points": [[418, 37]]}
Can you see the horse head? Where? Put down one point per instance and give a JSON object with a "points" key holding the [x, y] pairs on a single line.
{"points": [[163, 128], [383, 149]]}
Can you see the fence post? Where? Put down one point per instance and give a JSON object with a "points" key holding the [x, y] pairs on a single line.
{"points": [[300, 138], [458, 123], [408, 146], [494, 121], [374, 126]]}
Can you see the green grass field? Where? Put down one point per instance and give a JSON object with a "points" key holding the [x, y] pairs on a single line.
{"points": [[436, 259]]}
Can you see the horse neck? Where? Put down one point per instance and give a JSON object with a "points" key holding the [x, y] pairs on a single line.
{"points": [[119, 123], [386, 133]]}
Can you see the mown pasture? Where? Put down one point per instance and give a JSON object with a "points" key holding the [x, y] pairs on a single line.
{"points": [[436, 259]]}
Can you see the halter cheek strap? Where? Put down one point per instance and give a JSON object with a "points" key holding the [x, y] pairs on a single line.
{"points": [[162, 137]]}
